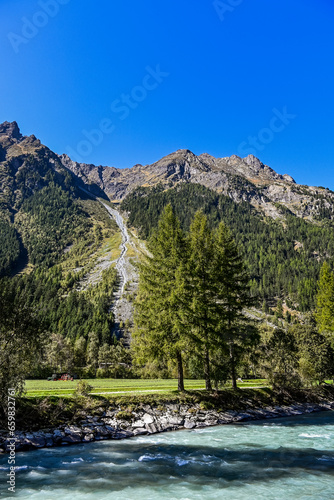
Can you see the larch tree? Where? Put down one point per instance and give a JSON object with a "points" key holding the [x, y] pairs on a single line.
{"points": [[218, 288], [232, 295], [202, 314], [325, 300], [159, 331]]}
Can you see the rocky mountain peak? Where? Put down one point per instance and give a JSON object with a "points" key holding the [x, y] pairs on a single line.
{"points": [[11, 130], [253, 161], [288, 178], [182, 159], [242, 179]]}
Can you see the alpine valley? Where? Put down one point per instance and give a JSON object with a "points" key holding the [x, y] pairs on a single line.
{"points": [[71, 234]]}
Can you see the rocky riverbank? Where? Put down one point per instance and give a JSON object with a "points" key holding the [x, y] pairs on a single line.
{"points": [[118, 423]]}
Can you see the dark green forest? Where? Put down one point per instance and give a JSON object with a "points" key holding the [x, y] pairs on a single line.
{"points": [[54, 234], [192, 309], [48, 221], [283, 258], [9, 247]]}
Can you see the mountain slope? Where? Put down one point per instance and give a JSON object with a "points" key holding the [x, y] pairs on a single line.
{"points": [[65, 245], [283, 258], [26, 166], [41, 212], [68, 245], [242, 179]]}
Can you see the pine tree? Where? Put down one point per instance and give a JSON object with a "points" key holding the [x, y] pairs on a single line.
{"points": [[159, 315], [202, 317], [325, 300], [279, 309], [265, 307], [219, 291], [232, 296]]}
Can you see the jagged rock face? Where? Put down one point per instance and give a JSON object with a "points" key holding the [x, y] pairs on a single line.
{"points": [[181, 166], [24, 166], [242, 179], [10, 130]]}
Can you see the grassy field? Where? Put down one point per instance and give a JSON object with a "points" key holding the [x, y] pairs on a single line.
{"points": [[122, 386]]}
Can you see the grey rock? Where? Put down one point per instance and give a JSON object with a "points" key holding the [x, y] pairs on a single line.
{"points": [[88, 438], [88, 429], [147, 418], [72, 429], [139, 424], [102, 431], [36, 441], [139, 431], [123, 434], [189, 424], [111, 413], [58, 433], [175, 420], [153, 428], [71, 438]]}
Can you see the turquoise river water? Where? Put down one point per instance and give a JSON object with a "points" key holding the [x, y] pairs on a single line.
{"points": [[287, 458]]}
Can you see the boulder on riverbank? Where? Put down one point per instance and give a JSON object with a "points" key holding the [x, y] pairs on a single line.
{"points": [[115, 422]]}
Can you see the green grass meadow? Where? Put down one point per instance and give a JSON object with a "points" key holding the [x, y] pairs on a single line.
{"points": [[37, 388]]}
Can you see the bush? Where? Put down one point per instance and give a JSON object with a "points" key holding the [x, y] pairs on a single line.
{"points": [[124, 415], [83, 388], [103, 373]]}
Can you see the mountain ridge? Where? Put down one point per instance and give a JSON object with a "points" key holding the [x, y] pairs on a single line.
{"points": [[43, 215], [242, 179]]}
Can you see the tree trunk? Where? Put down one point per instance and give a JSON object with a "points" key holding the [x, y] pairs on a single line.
{"points": [[180, 382], [232, 360], [207, 370]]}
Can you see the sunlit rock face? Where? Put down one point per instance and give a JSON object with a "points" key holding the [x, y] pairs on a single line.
{"points": [[242, 179]]}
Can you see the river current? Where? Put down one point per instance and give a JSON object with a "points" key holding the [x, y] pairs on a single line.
{"points": [[286, 458]]}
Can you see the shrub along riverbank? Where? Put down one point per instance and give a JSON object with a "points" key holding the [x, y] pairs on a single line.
{"points": [[54, 421]]}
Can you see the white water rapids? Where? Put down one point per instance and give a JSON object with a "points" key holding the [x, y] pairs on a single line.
{"points": [[282, 459]]}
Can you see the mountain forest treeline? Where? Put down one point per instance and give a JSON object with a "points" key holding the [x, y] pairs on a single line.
{"points": [[61, 233], [191, 310], [212, 259], [283, 258]]}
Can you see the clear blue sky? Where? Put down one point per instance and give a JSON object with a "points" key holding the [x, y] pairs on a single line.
{"points": [[232, 70]]}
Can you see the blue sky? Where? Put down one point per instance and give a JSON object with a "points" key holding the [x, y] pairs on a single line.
{"points": [[124, 82]]}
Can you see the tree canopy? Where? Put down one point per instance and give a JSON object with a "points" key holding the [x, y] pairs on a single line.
{"points": [[192, 291]]}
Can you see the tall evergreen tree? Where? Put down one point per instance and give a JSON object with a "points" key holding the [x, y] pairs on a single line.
{"points": [[219, 291], [325, 300], [159, 316], [202, 317], [232, 296]]}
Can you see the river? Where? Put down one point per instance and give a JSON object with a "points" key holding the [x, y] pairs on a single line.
{"points": [[287, 458]]}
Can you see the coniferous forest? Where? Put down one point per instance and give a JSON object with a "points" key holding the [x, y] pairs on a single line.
{"points": [[228, 292], [283, 259], [192, 305]]}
